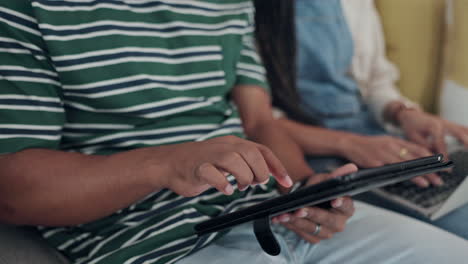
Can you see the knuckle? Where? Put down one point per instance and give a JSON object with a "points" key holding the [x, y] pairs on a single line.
{"points": [[244, 179], [313, 240], [203, 168], [375, 163], [333, 222], [231, 157], [293, 220], [341, 225], [340, 228], [230, 139]]}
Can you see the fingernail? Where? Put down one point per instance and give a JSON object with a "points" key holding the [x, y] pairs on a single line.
{"points": [[289, 181], [266, 181], [338, 203], [303, 214], [228, 189], [285, 219], [243, 188], [439, 182]]}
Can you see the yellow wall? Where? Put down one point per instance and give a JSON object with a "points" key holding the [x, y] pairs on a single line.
{"points": [[414, 30]]}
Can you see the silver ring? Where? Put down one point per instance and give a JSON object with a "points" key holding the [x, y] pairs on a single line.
{"points": [[317, 229]]}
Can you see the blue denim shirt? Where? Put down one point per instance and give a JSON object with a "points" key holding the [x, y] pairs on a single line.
{"points": [[325, 51]]}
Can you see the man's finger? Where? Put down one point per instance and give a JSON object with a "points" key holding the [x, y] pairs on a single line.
{"points": [[257, 164], [212, 176], [276, 167], [236, 165]]}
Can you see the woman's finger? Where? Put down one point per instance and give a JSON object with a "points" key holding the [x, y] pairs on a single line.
{"points": [[460, 133], [437, 135], [418, 151], [434, 179], [416, 137], [332, 220], [306, 236], [306, 226], [341, 171], [421, 182], [344, 206]]}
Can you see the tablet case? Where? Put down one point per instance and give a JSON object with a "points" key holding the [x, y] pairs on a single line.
{"points": [[319, 195]]}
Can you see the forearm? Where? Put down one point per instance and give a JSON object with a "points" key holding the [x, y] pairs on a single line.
{"points": [[260, 126], [316, 140], [46, 187], [272, 135]]}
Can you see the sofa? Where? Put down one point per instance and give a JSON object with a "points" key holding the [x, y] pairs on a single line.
{"points": [[419, 43], [25, 246]]}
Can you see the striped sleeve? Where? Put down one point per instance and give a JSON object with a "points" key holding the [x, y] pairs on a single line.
{"points": [[31, 111], [250, 70]]}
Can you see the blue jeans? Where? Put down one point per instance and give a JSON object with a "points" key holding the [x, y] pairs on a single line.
{"points": [[373, 235]]}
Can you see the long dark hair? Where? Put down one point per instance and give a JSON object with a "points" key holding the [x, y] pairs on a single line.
{"points": [[276, 39]]}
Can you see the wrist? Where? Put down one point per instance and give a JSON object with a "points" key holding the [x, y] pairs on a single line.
{"points": [[402, 114], [152, 168], [344, 143], [396, 111]]}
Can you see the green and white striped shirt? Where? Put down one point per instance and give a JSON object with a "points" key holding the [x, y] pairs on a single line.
{"points": [[104, 76]]}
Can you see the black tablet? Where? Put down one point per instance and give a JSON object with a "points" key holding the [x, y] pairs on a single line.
{"points": [[348, 185]]}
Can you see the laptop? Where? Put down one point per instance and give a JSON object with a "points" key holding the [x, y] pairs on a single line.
{"points": [[434, 202]]}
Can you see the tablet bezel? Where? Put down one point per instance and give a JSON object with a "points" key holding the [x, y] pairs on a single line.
{"points": [[347, 185]]}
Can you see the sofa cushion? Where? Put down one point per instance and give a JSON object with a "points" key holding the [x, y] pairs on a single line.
{"points": [[25, 246]]}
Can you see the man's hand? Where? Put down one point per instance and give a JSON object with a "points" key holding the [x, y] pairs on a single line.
{"points": [[304, 221], [375, 151], [198, 166]]}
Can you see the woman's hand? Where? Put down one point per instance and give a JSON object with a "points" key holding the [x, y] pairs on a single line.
{"points": [[458, 131], [304, 221], [375, 151], [424, 129], [198, 166]]}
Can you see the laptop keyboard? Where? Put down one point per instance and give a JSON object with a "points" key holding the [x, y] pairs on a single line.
{"points": [[427, 197], [434, 195]]}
